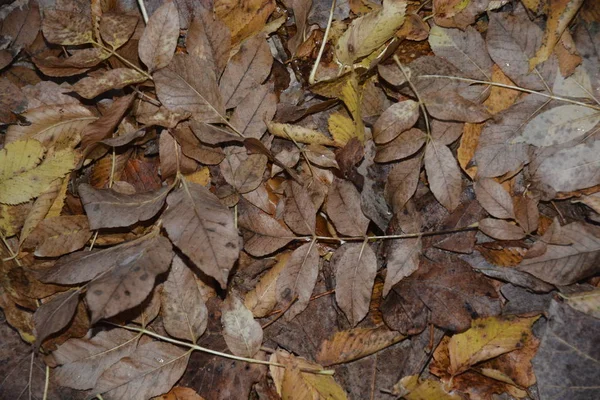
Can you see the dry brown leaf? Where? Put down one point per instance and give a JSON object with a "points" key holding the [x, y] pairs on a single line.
{"points": [[496, 201], [244, 18], [344, 209], [500, 229], [300, 212], [253, 113], [116, 29], [66, 27], [267, 234], [262, 299], [526, 212], [199, 225], [209, 38], [242, 333], [405, 145], [56, 236], [54, 314], [249, 174], [180, 393], [396, 119], [158, 42], [402, 182], [117, 78], [443, 174], [183, 310]]}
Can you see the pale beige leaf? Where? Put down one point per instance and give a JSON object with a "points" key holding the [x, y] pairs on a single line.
{"points": [[204, 229], [159, 40], [344, 209], [298, 279], [366, 34], [353, 344], [242, 333], [396, 119], [54, 314], [188, 84], [356, 266], [587, 302], [152, 369], [443, 174], [492, 196], [183, 310], [262, 299], [300, 134], [92, 86], [66, 27], [49, 123], [82, 361], [107, 208], [60, 235]]}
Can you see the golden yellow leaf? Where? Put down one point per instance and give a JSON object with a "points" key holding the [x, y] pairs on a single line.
{"points": [[352, 98], [300, 134], [411, 388], [22, 179], [487, 338], [201, 177], [340, 127]]}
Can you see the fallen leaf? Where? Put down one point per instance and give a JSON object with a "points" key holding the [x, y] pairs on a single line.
{"points": [[209, 38], [66, 27], [268, 234], [158, 42], [180, 393], [396, 119], [242, 333], [300, 212], [54, 314], [116, 29], [402, 182], [500, 229], [411, 388], [300, 134], [56, 236], [249, 174], [494, 199], [405, 145], [344, 209], [443, 174], [244, 19], [199, 225], [262, 299], [117, 78], [587, 302], [256, 109]]}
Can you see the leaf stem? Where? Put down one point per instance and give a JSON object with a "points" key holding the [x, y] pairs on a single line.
{"points": [[502, 85], [13, 256], [313, 72], [216, 353], [143, 10], [414, 89], [123, 59]]}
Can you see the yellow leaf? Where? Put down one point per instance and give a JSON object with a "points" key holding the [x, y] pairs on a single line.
{"points": [[263, 298], [201, 177], [341, 127], [352, 98], [12, 218], [366, 34], [487, 338], [21, 179], [410, 388], [42, 206], [300, 134]]}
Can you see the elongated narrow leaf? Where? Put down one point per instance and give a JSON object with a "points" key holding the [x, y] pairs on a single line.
{"points": [[106, 208], [188, 84], [500, 229], [158, 42], [183, 310], [152, 369], [242, 333], [118, 78], [41, 207], [210, 39], [55, 314], [203, 229], [444, 175], [300, 134], [82, 361], [356, 266]]}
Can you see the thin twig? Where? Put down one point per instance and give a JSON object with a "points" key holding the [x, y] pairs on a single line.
{"points": [[414, 89], [13, 255], [143, 10], [313, 72], [46, 383]]}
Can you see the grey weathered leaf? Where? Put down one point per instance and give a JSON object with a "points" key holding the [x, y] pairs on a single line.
{"points": [[356, 266], [492, 196], [152, 369], [242, 333], [55, 314], [203, 229], [159, 40], [82, 361], [344, 209], [500, 229], [300, 212], [188, 84], [567, 263], [107, 208], [267, 234], [298, 279], [398, 118], [246, 70], [183, 310], [443, 174]]}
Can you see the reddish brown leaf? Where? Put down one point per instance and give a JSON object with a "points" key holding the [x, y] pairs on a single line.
{"points": [[158, 42], [396, 119], [104, 126], [526, 212], [267, 234], [356, 266], [203, 229], [192, 148]]}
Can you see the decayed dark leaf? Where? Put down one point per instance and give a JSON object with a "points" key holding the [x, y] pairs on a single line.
{"points": [[254, 111], [55, 314], [343, 207], [395, 120], [116, 29], [66, 27], [203, 229], [492, 196], [267, 234], [246, 70], [107, 208], [56, 236], [152, 369], [500, 229], [158, 42], [183, 310], [356, 266], [403, 146], [188, 84], [564, 264], [210, 39], [82, 361], [443, 174], [402, 182], [566, 364], [350, 345], [452, 292], [12, 101], [117, 78], [300, 212], [298, 278], [242, 333]]}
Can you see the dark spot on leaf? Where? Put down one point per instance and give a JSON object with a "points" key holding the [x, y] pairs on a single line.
{"points": [[127, 293], [230, 245], [98, 292], [144, 277]]}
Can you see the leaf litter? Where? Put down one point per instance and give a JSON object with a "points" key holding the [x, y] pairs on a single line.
{"points": [[346, 200]]}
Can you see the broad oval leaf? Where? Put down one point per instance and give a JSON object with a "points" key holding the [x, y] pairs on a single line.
{"points": [[405, 145], [356, 266], [443, 174], [159, 40], [268, 234], [344, 209], [66, 27], [500, 229], [398, 118], [203, 229], [116, 29], [492, 196], [402, 182], [242, 333]]}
